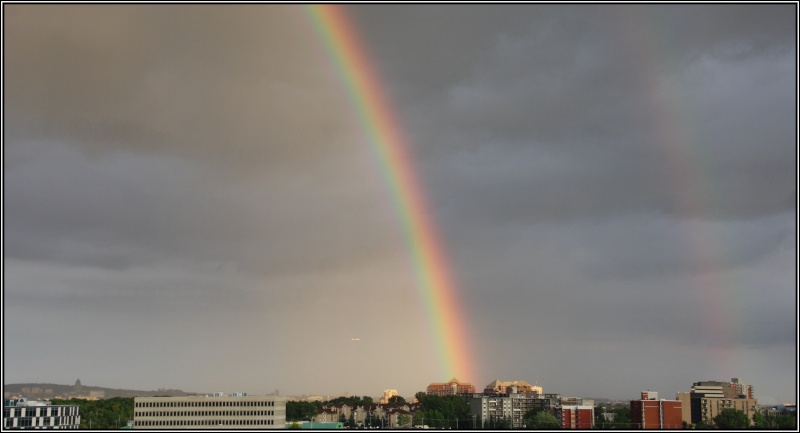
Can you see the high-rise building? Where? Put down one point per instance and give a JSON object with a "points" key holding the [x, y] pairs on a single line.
{"points": [[453, 387], [23, 414], [741, 389], [708, 398], [237, 411], [387, 394], [652, 413], [493, 409]]}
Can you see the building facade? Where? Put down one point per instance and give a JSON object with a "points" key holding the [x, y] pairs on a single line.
{"points": [[22, 414], [491, 409], [453, 387], [708, 398], [387, 394], [577, 417], [236, 411], [516, 386], [371, 415], [651, 413]]}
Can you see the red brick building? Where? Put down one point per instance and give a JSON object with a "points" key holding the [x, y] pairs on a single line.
{"points": [[651, 413], [577, 417], [453, 387]]}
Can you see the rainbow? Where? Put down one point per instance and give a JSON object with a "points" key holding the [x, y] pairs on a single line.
{"points": [[435, 283], [672, 133]]}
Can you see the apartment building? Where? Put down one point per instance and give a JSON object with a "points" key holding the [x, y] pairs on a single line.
{"points": [[453, 387], [512, 407], [708, 398], [519, 386]]}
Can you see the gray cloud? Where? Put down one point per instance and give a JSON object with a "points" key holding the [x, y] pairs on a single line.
{"points": [[212, 82]]}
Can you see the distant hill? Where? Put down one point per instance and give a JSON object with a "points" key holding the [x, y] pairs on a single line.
{"points": [[78, 390]]}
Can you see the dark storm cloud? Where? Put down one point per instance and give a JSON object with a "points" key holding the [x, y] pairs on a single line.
{"points": [[121, 211], [633, 249], [611, 93]]}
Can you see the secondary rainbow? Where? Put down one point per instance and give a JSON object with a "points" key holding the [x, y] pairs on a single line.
{"points": [[435, 283], [673, 133]]}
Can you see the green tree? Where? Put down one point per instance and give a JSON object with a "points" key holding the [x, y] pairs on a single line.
{"points": [[760, 421], [449, 411], [527, 418], [542, 421], [419, 417], [397, 400], [352, 421], [786, 421], [351, 401], [732, 419], [404, 421], [622, 418], [434, 419], [300, 410], [105, 414], [598, 416]]}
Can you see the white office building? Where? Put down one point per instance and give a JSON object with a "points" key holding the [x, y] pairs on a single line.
{"points": [[218, 411], [23, 414]]}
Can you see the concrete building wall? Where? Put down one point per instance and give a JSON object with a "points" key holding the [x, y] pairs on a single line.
{"points": [[709, 408], [686, 409], [510, 407], [200, 412]]}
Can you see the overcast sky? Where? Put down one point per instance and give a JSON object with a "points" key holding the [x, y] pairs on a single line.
{"points": [[190, 201]]}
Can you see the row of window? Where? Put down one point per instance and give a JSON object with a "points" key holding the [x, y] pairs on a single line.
{"points": [[203, 403], [189, 422], [41, 421], [40, 411], [207, 413]]}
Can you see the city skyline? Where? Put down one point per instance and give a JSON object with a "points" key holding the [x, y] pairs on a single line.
{"points": [[599, 199]]}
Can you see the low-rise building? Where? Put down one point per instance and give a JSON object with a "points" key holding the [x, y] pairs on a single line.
{"points": [[651, 413], [238, 411], [22, 414]]}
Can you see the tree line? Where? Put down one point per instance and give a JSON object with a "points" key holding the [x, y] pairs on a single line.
{"points": [[106, 414]]}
